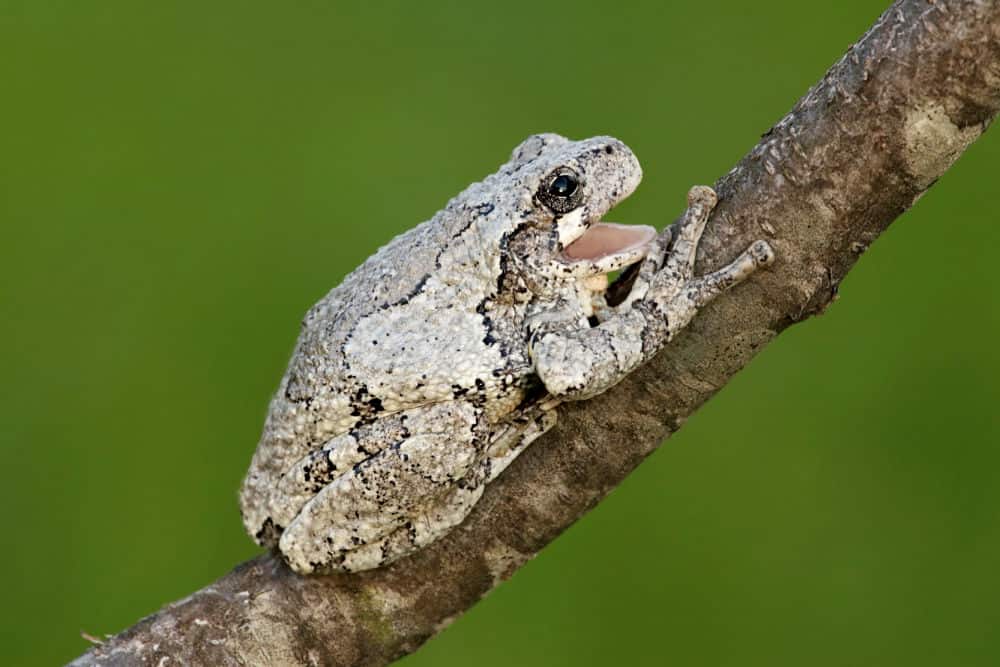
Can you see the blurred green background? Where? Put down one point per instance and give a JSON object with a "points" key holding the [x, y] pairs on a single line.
{"points": [[180, 181]]}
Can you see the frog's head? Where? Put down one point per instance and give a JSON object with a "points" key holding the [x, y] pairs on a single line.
{"points": [[565, 189]]}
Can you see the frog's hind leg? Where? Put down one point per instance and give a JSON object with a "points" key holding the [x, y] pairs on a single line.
{"points": [[435, 521], [374, 498], [444, 514]]}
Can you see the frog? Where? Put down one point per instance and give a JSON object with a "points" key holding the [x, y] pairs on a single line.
{"points": [[418, 379]]}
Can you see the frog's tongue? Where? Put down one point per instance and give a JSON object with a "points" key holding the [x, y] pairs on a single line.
{"points": [[605, 239]]}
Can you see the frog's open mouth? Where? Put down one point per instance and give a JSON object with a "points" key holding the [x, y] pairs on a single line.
{"points": [[609, 246]]}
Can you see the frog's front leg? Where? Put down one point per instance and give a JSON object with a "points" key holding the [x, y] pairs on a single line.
{"points": [[674, 290], [576, 362]]}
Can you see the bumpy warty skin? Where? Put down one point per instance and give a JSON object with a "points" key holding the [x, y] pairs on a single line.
{"points": [[435, 316], [418, 379]]}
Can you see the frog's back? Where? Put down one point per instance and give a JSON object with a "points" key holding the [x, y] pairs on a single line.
{"points": [[408, 327], [408, 313]]}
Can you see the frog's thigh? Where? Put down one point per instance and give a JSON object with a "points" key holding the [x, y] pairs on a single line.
{"points": [[310, 474], [444, 514], [382, 493]]}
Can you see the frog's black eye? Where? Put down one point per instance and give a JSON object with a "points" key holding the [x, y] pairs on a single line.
{"points": [[562, 191], [563, 185]]}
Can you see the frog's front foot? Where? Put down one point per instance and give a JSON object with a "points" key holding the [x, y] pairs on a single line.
{"points": [[674, 289]]}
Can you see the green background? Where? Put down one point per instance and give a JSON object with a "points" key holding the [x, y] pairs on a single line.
{"points": [[180, 181]]}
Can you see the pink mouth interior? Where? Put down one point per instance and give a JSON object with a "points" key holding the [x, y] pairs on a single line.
{"points": [[608, 238]]}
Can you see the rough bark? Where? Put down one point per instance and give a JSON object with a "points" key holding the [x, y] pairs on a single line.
{"points": [[858, 150]]}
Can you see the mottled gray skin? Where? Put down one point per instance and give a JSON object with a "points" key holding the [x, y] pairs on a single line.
{"points": [[418, 379]]}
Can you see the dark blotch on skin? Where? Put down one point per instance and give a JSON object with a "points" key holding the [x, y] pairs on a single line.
{"points": [[269, 532]]}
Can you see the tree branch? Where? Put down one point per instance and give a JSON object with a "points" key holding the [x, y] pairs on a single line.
{"points": [[858, 150]]}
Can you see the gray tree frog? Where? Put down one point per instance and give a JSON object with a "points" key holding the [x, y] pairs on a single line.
{"points": [[417, 380]]}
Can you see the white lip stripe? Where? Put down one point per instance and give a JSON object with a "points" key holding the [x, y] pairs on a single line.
{"points": [[571, 227]]}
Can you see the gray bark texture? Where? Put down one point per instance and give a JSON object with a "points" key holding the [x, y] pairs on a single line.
{"points": [[857, 151]]}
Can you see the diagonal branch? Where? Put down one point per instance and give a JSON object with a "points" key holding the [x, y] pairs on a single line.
{"points": [[858, 150]]}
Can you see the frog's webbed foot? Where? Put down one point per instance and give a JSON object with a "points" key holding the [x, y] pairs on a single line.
{"points": [[518, 435], [674, 289], [436, 520]]}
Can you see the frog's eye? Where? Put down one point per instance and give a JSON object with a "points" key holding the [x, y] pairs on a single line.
{"points": [[562, 191], [563, 185]]}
